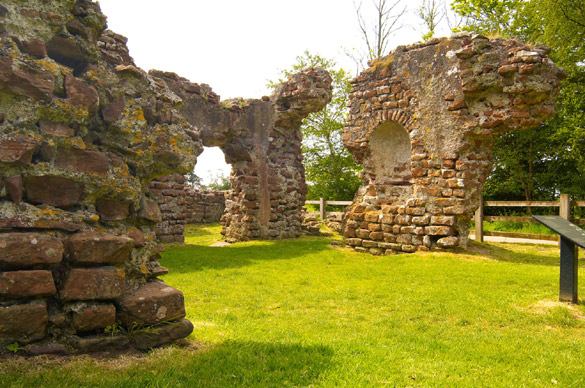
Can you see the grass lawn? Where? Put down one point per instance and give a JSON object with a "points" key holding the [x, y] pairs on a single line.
{"points": [[305, 314]]}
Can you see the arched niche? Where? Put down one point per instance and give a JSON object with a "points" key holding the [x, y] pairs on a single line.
{"points": [[390, 151]]}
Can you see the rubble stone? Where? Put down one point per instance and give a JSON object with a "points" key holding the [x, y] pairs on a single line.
{"points": [[443, 104]]}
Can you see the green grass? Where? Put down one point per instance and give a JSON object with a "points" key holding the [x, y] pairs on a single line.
{"points": [[302, 313], [517, 227]]}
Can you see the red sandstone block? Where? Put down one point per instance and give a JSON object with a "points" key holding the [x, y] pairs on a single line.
{"points": [[374, 227], [376, 236], [415, 211], [24, 284], [362, 233], [369, 244], [27, 249], [389, 237], [94, 284], [442, 202], [98, 248], [92, 317], [372, 217], [23, 322], [424, 220], [354, 241], [438, 230], [443, 220], [150, 304]]}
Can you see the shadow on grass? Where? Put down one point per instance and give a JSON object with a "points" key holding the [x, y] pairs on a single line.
{"points": [[256, 364], [189, 258], [520, 253], [231, 364]]}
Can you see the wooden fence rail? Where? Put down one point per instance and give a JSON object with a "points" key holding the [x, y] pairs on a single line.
{"points": [[564, 204], [321, 202]]}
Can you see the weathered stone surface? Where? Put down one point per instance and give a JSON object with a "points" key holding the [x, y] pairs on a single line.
{"points": [[262, 140], [98, 248], [66, 51], [35, 47], [92, 317], [14, 187], [79, 160], [112, 210], [18, 250], [24, 284], [22, 80], [152, 303], [53, 190], [55, 129], [151, 338], [23, 322], [93, 284], [150, 210], [102, 343], [440, 126], [17, 149], [80, 93]]}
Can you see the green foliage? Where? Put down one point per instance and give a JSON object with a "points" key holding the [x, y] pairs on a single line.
{"points": [[330, 170], [219, 182], [193, 180], [542, 162], [13, 347], [487, 16]]}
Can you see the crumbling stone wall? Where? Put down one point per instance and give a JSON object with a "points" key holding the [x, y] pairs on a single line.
{"points": [[82, 132], [169, 192], [204, 206], [422, 122], [261, 139], [181, 204]]}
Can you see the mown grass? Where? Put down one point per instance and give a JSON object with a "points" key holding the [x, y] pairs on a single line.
{"points": [[303, 313], [517, 227]]}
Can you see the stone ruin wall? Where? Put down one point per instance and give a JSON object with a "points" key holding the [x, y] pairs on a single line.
{"points": [[261, 139], [82, 133], [181, 204], [422, 123]]}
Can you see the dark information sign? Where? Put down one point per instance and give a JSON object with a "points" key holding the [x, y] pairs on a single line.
{"points": [[571, 235], [564, 228]]}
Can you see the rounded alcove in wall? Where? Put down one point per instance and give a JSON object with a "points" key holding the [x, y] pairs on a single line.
{"points": [[390, 150]]}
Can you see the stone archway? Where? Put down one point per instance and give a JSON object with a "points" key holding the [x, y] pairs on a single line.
{"points": [[261, 140]]}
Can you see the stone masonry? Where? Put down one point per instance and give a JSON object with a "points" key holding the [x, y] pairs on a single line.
{"points": [[82, 133], [261, 139], [422, 123], [181, 204]]}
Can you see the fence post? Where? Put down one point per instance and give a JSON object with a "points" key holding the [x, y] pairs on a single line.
{"points": [[322, 208], [565, 206], [479, 221]]}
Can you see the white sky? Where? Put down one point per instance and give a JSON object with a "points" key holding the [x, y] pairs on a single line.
{"points": [[235, 46]]}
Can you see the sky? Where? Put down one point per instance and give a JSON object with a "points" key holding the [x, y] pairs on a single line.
{"points": [[236, 46]]}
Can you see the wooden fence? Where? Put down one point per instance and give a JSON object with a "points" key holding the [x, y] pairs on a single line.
{"points": [[564, 204], [321, 202]]}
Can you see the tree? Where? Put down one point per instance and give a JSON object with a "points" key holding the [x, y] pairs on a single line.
{"points": [[431, 14], [542, 162], [329, 168], [376, 31], [219, 182], [193, 180], [488, 16]]}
